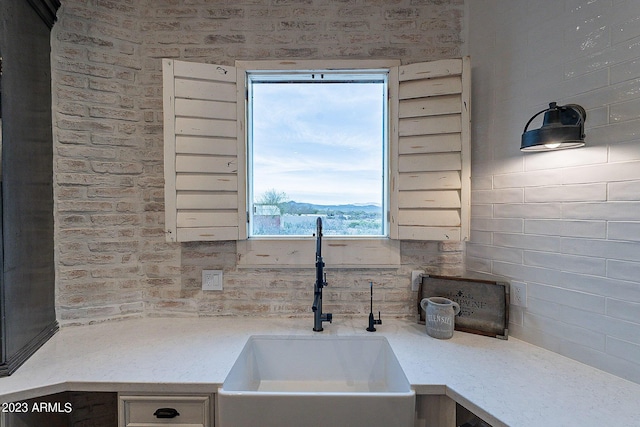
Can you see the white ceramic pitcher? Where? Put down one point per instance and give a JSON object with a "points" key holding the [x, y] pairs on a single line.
{"points": [[440, 316]]}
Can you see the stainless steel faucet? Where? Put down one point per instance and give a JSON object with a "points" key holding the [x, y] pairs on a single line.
{"points": [[321, 282]]}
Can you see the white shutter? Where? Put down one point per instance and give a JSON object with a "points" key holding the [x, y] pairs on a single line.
{"points": [[430, 149], [200, 152]]}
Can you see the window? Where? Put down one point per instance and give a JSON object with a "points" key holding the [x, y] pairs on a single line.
{"points": [[212, 156], [317, 147]]}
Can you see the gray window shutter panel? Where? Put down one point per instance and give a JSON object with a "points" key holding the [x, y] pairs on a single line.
{"points": [[430, 149], [200, 152]]}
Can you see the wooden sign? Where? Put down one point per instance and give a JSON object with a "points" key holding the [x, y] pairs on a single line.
{"points": [[484, 304]]}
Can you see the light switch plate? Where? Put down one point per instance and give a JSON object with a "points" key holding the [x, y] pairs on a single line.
{"points": [[211, 280]]}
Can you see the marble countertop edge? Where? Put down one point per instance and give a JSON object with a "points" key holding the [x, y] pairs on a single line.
{"points": [[506, 382]]}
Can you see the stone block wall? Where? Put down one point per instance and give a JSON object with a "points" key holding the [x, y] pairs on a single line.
{"points": [[112, 258]]}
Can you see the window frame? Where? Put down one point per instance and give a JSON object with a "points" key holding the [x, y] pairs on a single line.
{"points": [[297, 251], [329, 76], [205, 159]]}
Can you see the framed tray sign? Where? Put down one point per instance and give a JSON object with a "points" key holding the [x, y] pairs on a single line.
{"points": [[484, 304]]}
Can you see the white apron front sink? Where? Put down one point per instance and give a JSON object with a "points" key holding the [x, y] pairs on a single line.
{"points": [[291, 381]]}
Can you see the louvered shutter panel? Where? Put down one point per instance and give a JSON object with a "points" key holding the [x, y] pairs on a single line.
{"points": [[200, 149], [430, 164]]}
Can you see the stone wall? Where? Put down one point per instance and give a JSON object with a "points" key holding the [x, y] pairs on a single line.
{"points": [[112, 258]]}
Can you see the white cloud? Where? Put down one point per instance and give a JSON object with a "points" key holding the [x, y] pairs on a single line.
{"points": [[319, 143]]}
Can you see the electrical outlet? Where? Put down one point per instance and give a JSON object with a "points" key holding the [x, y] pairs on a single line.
{"points": [[416, 278], [211, 280], [519, 293]]}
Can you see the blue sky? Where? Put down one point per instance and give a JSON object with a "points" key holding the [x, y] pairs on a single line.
{"points": [[319, 143]]}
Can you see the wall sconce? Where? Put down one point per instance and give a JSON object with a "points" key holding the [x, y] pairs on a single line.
{"points": [[562, 127]]}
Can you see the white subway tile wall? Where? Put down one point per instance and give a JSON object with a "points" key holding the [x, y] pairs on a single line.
{"points": [[567, 223]]}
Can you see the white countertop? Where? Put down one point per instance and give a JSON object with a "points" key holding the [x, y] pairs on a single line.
{"points": [[505, 382]]}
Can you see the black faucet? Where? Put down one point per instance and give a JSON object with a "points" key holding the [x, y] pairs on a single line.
{"points": [[372, 320], [321, 281]]}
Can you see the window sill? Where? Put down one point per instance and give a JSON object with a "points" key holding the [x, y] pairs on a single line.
{"points": [[336, 252]]}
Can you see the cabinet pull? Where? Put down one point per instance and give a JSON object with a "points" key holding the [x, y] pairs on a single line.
{"points": [[166, 413]]}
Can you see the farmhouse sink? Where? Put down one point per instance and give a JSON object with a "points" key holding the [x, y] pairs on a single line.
{"points": [[316, 381]]}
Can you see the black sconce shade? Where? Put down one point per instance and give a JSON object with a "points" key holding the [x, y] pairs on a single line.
{"points": [[562, 127]]}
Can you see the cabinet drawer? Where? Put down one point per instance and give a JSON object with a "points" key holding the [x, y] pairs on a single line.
{"points": [[138, 411]]}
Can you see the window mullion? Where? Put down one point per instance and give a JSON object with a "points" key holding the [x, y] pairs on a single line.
{"points": [[242, 95]]}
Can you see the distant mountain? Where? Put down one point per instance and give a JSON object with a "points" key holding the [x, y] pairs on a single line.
{"points": [[310, 208]]}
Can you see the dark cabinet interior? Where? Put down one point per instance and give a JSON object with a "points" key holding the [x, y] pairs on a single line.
{"points": [[66, 409], [27, 273], [466, 418]]}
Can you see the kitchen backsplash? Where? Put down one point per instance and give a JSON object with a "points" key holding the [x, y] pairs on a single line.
{"points": [[112, 258], [566, 223]]}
